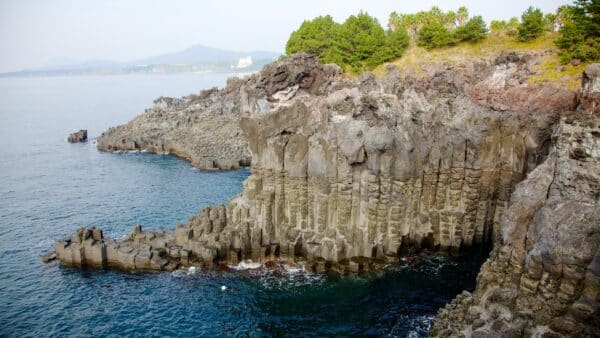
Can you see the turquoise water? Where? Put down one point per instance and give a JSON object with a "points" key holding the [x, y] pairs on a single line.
{"points": [[50, 187]]}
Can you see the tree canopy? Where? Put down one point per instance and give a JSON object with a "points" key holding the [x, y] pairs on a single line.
{"points": [[580, 32], [532, 24], [360, 42], [446, 29]]}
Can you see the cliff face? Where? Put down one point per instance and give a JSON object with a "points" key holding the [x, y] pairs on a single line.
{"points": [[373, 167], [205, 128], [349, 173], [543, 276], [200, 128]]}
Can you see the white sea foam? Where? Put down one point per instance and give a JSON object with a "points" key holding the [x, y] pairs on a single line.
{"points": [[245, 265], [191, 270], [178, 273], [293, 269]]}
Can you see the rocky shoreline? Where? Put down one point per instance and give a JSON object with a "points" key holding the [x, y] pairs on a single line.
{"points": [[351, 173]]}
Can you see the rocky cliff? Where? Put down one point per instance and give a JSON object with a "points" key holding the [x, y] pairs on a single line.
{"points": [[543, 276], [200, 128], [349, 173]]}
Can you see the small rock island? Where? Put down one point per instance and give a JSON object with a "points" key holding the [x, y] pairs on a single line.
{"points": [[78, 136]]}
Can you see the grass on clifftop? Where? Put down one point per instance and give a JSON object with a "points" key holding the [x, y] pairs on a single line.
{"points": [[549, 71]]}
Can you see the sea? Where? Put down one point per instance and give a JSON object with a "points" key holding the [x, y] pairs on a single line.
{"points": [[49, 188]]}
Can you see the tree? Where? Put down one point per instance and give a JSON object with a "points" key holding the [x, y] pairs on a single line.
{"points": [[314, 36], [532, 24], [462, 15], [504, 28], [472, 31], [434, 35], [580, 32], [360, 36], [396, 43], [360, 42], [549, 21]]}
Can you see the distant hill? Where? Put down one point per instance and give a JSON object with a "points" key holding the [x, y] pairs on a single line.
{"points": [[197, 58], [199, 54]]}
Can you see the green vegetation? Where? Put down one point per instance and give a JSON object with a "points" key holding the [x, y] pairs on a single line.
{"points": [[532, 24], [315, 36], [361, 43], [504, 28], [435, 28], [580, 32]]}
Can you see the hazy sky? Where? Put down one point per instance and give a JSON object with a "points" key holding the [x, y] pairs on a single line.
{"points": [[36, 32]]}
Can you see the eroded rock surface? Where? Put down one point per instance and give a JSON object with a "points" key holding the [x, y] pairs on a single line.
{"points": [[204, 128], [348, 172], [543, 277]]}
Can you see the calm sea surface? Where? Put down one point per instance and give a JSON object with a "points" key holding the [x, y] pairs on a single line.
{"points": [[49, 188]]}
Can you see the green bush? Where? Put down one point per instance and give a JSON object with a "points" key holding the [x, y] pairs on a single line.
{"points": [[472, 31], [434, 36], [505, 28], [532, 24], [360, 42], [314, 36], [580, 32]]}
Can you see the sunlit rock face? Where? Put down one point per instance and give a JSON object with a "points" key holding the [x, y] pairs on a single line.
{"points": [[543, 276], [349, 172], [353, 170]]}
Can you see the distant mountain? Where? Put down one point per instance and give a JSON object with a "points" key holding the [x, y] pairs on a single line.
{"points": [[199, 54], [197, 58]]}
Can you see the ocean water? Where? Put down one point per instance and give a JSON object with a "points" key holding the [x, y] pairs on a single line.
{"points": [[49, 188]]}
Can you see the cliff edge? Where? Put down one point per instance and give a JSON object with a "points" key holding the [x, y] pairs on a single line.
{"points": [[543, 276], [348, 174]]}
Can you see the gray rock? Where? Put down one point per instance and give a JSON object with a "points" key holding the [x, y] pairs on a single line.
{"points": [[348, 173], [79, 136]]}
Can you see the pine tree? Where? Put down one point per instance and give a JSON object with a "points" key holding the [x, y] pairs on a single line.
{"points": [[532, 24], [580, 32], [472, 31]]}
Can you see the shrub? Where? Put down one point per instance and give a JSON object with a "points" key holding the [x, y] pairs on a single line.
{"points": [[314, 36], [434, 36], [473, 30], [580, 32], [532, 24], [360, 42], [505, 28]]}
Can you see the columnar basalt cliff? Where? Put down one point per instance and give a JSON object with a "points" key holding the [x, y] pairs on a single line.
{"points": [[349, 173], [543, 276]]}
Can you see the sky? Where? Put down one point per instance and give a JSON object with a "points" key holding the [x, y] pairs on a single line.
{"points": [[41, 32]]}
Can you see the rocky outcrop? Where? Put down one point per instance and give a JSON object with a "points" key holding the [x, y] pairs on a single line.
{"points": [[79, 136], [347, 172], [200, 128], [543, 277], [204, 128], [590, 89]]}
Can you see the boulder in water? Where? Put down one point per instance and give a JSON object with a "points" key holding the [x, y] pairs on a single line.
{"points": [[79, 136]]}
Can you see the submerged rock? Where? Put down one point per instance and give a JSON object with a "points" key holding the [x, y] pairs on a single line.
{"points": [[79, 136]]}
